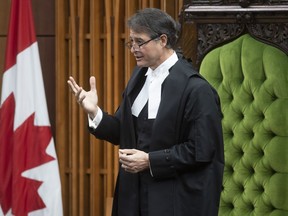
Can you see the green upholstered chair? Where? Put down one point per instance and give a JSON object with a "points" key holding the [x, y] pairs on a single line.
{"points": [[252, 81]]}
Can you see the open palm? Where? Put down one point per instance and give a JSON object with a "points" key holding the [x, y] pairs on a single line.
{"points": [[87, 99]]}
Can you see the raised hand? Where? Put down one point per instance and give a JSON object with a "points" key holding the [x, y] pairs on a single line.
{"points": [[88, 100]]}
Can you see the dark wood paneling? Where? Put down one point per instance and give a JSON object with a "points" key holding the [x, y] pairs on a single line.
{"points": [[44, 21], [4, 17], [47, 57], [44, 16], [2, 54]]}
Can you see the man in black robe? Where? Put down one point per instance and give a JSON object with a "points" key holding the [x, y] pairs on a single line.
{"points": [[168, 127]]}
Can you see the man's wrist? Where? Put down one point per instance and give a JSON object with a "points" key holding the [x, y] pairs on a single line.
{"points": [[92, 115], [94, 122]]}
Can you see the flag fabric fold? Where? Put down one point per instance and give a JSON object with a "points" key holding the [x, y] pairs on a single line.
{"points": [[29, 173]]}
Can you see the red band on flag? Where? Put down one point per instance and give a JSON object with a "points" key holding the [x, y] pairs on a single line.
{"points": [[21, 31]]}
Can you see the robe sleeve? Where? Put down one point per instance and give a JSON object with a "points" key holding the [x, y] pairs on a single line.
{"points": [[108, 129]]}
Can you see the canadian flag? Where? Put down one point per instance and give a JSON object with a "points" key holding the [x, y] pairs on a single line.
{"points": [[29, 173]]}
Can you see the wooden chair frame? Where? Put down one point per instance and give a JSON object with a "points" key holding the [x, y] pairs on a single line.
{"points": [[212, 24]]}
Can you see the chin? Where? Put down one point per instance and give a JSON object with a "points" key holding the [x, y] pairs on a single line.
{"points": [[141, 64]]}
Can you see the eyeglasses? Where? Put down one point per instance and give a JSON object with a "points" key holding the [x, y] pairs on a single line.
{"points": [[136, 45]]}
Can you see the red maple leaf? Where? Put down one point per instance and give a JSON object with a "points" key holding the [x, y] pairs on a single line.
{"points": [[28, 151]]}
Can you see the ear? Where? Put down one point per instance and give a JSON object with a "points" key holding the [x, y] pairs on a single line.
{"points": [[163, 40]]}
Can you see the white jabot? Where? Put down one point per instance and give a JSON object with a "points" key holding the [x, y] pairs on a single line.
{"points": [[151, 90]]}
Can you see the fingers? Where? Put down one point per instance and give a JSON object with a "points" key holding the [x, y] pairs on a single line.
{"points": [[80, 97], [128, 169], [76, 90], [73, 85], [127, 163], [127, 151], [92, 81], [124, 157], [133, 160]]}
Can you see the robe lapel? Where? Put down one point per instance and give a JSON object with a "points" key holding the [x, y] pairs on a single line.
{"points": [[128, 194], [127, 138], [137, 76]]}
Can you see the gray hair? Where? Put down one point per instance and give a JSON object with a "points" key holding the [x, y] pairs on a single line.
{"points": [[155, 22]]}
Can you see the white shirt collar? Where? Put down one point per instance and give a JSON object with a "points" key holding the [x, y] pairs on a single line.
{"points": [[164, 67], [151, 91]]}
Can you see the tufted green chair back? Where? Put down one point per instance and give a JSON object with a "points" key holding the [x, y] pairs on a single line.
{"points": [[252, 81]]}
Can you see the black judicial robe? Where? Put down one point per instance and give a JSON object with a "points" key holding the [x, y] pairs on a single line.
{"points": [[186, 147]]}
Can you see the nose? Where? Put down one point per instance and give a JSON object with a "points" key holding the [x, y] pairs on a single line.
{"points": [[134, 48]]}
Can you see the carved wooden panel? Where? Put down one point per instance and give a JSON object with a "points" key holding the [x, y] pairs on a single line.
{"points": [[216, 25], [243, 3]]}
